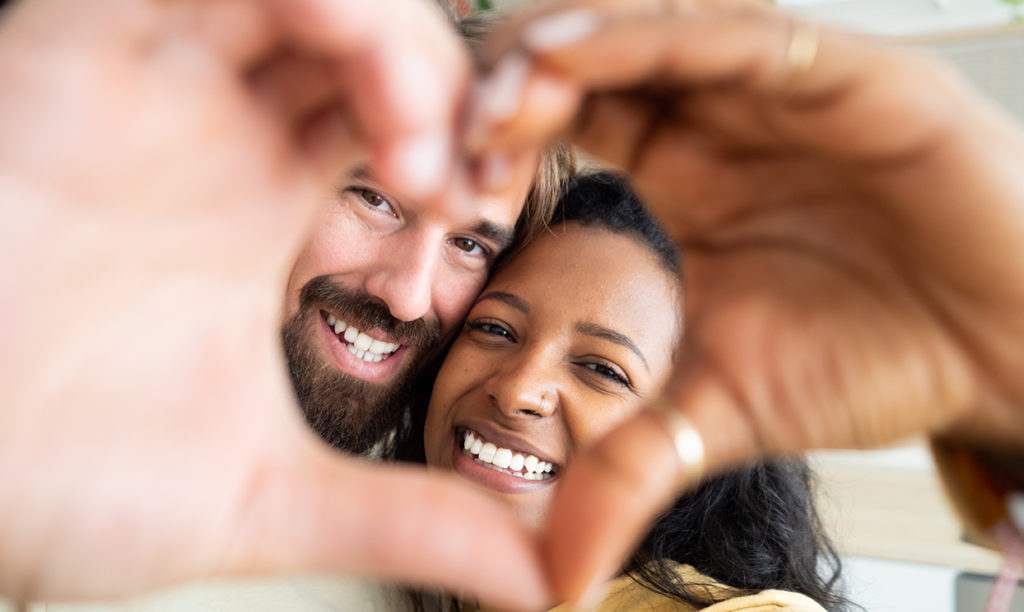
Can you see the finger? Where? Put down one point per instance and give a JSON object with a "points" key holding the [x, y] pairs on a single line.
{"points": [[610, 495], [406, 73], [664, 55], [504, 174], [539, 103], [240, 32], [329, 142], [291, 85], [698, 46], [508, 37], [813, 88], [325, 514]]}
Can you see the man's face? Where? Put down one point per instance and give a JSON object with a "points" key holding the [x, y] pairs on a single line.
{"points": [[377, 287]]}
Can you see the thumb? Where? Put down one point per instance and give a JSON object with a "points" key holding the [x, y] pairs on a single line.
{"points": [[328, 513], [611, 494]]}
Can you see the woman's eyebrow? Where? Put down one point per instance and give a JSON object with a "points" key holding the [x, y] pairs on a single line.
{"points": [[599, 331], [507, 298]]}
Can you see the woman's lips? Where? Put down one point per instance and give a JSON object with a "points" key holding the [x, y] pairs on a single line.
{"points": [[502, 469]]}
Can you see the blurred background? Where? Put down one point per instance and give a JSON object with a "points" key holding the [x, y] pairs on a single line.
{"points": [[886, 509]]}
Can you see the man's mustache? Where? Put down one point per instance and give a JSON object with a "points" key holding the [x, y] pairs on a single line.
{"points": [[366, 312]]}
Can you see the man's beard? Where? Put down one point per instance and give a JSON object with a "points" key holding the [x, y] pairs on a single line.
{"points": [[349, 413]]}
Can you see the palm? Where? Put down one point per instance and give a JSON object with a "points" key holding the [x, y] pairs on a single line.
{"points": [[193, 210]]}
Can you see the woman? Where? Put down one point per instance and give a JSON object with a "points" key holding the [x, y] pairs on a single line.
{"points": [[569, 338]]}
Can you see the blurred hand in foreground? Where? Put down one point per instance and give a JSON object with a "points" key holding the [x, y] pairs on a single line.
{"points": [[850, 214], [160, 164]]}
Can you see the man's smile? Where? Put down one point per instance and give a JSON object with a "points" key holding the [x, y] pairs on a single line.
{"points": [[359, 343], [356, 353]]}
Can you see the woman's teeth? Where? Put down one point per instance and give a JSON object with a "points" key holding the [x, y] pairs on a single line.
{"points": [[359, 344], [523, 465]]}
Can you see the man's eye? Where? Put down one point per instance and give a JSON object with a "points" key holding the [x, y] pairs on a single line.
{"points": [[469, 246], [373, 199]]}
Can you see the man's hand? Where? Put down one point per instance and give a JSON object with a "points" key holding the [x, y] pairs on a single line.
{"points": [[850, 215], [159, 166]]}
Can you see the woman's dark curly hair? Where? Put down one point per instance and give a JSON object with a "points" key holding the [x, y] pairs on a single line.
{"points": [[753, 529]]}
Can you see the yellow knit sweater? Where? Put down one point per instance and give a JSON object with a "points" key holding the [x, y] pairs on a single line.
{"points": [[625, 595]]}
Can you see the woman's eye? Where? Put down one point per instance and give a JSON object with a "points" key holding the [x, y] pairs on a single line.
{"points": [[608, 372], [374, 200], [469, 246], [490, 328]]}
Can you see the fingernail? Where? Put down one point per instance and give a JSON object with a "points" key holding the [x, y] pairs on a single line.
{"points": [[560, 30], [501, 93], [423, 162], [494, 173]]}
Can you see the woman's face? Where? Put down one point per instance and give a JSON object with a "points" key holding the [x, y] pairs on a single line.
{"points": [[565, 342]]}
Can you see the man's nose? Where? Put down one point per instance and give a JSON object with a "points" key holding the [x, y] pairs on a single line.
{"points": [[404, 280], [525, 386]]}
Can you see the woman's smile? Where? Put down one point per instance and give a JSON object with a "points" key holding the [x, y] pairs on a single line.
{"points": [[491, 464], [520, 464]]}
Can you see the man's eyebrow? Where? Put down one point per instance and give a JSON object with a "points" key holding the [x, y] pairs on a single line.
{"points": [[501, 235], [361, 172], [599, 331], [507, 298]]}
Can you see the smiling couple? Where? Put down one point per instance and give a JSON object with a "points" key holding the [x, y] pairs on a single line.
{"points": [[569, 337], [575, 331]]}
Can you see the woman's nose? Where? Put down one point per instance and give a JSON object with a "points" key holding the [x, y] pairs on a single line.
{"points": [[524, 387]]}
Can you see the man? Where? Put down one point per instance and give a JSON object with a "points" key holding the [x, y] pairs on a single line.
{"points": [[382, 282]]}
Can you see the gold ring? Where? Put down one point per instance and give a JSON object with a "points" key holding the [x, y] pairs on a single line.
{"points": [[802, 50], [686, 441]]}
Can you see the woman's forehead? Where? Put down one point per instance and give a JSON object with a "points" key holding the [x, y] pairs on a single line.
{"points": [[590, 273], [583, 256]]}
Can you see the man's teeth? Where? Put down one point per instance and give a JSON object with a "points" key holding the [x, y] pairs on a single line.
{"points": [[505, 460], [359, 344]]}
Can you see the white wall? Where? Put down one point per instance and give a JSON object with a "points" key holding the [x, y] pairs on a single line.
{"points": [[903, 17], [880, 585]]}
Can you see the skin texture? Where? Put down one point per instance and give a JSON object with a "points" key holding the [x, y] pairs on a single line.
{"points": [[846, 227], [541, 377], [156, 439]]}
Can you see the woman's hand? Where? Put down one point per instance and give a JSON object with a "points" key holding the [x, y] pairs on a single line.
{"points": [[850, 214], [159, 166]]}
